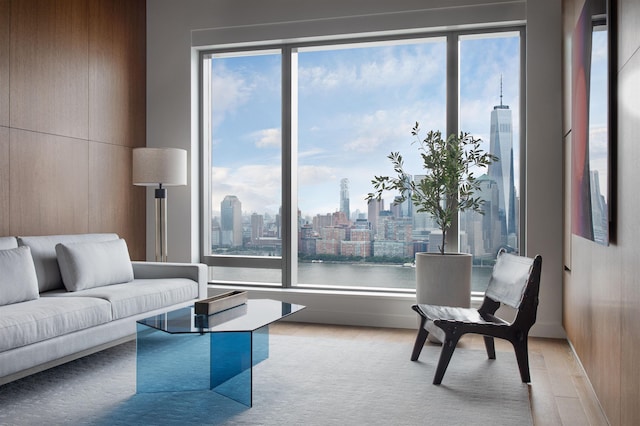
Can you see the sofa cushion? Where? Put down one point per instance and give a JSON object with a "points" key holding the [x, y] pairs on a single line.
{"points": [[47, 317], [94, 264], [140, 295], [8, 243], [43, 250], [18, 281]]}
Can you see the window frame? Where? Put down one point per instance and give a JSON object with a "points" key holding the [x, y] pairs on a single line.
{"points": [[287, 263]]}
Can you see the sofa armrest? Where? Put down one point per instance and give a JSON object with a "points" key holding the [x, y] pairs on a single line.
{"points": [[193, 271]]}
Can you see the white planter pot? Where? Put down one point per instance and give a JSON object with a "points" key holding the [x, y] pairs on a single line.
{"points": [[443, 279]]}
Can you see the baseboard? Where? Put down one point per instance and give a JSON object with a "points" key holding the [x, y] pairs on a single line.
{"points": [[548, 330], [590, 387]]}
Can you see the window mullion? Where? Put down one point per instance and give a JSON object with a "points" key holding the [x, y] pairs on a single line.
{"points": [[523, 145], [453, 237], [289, 159]]}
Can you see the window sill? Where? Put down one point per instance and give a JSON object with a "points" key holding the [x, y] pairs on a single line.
{"points": [[341, 307]]}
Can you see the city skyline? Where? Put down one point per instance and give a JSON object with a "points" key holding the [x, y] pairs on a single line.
{"points": [[397, 231], [394, 233]]}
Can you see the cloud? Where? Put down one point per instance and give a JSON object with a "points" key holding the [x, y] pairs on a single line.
{"points": [[313, 175], [390, 129], [267, 138], [393, 65], [239, 83], [598, 143], [314, 152], [372, 130], [324, 78], [599, 48], [256, 186], [229, 90]]}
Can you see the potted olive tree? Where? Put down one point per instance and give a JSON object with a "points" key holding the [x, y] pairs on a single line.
{"points": [[449, 186]]}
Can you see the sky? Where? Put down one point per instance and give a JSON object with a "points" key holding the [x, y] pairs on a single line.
{"points": [[356, 104]]}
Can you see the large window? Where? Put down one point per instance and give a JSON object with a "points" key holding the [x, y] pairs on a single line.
{"points": [[489, 87], [295, 133], [244, 100]]}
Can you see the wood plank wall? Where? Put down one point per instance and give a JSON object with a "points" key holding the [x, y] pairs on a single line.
{"points": [[602, 289], [72, 108]]}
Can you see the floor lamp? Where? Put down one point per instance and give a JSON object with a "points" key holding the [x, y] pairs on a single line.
{"points": [[160, 167]]}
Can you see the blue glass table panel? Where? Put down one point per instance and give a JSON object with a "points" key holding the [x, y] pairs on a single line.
{"points": [[181, 351]]}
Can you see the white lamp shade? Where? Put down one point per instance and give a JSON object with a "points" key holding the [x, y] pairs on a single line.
{"points": [[154, 166]]}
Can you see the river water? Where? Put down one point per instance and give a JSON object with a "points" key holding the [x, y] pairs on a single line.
{"points": [[342, 275]]}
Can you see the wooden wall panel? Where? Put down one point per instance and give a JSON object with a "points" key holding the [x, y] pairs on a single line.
{"points": [[67, 58], [4, 181], [605, 338], [49, 184], [49, 66], [602, 291], [114, 203], [5, 8], [629, 230], [117, 70]]}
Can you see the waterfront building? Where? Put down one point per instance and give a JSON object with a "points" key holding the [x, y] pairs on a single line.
{"points": [[231, 221]]}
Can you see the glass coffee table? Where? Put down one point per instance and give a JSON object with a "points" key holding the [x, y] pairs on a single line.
{"points": [[181, 351]]}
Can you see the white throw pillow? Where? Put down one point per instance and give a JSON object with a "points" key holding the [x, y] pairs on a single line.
{"points": [[18, 280], [43, 251], [94, 264], [7, 243]]}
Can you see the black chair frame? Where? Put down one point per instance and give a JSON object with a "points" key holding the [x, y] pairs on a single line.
{"points": [[459, 321]]}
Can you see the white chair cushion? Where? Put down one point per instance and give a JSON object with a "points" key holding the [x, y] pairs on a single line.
{"points": [[94, 264], [139, 295], [18, 280], [509, 279], [25, 323]]}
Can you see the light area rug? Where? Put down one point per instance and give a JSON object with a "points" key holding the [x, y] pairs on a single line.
{"points": [[305, 381]]}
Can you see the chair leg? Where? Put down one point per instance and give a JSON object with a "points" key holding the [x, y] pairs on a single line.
{"points": [[522, 356], [448, 346], [490, 346], [420, 339]]}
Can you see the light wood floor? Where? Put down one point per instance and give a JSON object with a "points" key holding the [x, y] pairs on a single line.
{"points": [[559, 391]]}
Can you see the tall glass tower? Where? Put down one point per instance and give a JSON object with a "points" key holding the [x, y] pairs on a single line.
{"points": [[344, 198], [501, 145], [231, 221]]}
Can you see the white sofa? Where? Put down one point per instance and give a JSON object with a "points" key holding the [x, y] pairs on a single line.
{"points": [[66, 296]]}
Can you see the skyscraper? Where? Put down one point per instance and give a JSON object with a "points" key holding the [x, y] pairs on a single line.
{"points": [[257, 228], [231, 221], [374, 207], [599, 210], [501, 145], [344, 198], [422, 221], [406, 207]]}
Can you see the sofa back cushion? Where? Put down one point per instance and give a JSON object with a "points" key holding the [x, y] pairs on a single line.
{"points": [[8, 243], [43, 250], [18, 281], [94, 264]]}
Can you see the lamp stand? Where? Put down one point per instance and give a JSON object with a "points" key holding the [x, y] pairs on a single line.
{"points": [[161, 224]]}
